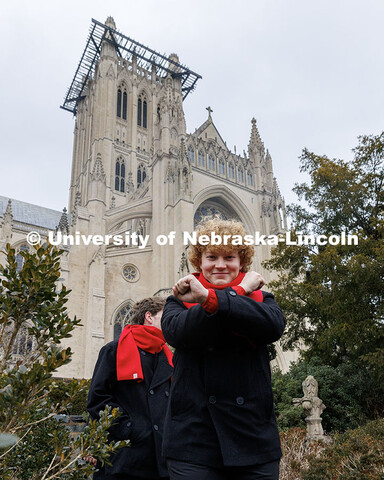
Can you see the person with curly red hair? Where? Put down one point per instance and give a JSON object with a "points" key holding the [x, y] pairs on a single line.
{"points": [[220, 422]]}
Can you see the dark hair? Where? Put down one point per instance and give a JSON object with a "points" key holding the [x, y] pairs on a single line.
{"points": [[140, 308]]}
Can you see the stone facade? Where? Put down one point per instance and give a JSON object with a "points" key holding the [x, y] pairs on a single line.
{"points": [[135, 169]]}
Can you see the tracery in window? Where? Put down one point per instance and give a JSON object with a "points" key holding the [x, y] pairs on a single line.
{"points": [[191, 155], [211, 162], [121, 320], [231, 171], [221, 167], [23, 344], [142, 111], [201, 159], [120, 175], [19, 257], [122, 102], [141, 174]]}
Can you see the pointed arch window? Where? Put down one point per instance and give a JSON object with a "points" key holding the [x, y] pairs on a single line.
{"points": [[139, 107], [122, 102], [120, 175], [125, 105], [211, 162], [191, 155], [23, 344], [240, 175], [141, 174], [118, 108], [121, 320], [250, 178], [231, 171], [142, 111], [20, 258], [221, 167], [145, 114], [201, 159]]}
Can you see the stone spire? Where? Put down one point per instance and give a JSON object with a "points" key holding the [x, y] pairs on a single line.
{"points": [[268, 161], [7, 223], [107, 49], [173, 57], [110, 22], [63, 225], [255, 146], [8, 216]]}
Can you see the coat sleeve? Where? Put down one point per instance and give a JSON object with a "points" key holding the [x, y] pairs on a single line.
{"points": [[261, 322], [101, 392], [187, 328]]}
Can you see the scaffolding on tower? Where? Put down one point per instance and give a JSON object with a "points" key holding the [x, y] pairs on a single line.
{"points": [[126, 49]]}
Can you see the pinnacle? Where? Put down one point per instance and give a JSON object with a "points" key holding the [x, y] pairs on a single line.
{"points": [[110, 22], [63, 225], [255, 140]]}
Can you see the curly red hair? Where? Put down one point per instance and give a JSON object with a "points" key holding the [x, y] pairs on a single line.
{"points": [[221, 227]]}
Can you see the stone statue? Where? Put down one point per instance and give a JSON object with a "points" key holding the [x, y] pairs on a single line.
{"points": [[313, 406]]}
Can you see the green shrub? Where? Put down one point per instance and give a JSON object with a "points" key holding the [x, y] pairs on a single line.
{"points": [[71, 393], [34, 444]]}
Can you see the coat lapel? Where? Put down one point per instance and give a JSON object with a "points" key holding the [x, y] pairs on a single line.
{"points": [[163, 371]]}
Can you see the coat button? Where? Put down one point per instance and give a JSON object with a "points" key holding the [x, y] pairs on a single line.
{"points": [[212, 399], [240, 400], [143, 353], [233, 293], [167, 393], [152, 392], [156, 427], [129, 424]]}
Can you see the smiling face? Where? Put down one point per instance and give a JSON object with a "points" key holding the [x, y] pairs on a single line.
{"points": [[220, 268]]}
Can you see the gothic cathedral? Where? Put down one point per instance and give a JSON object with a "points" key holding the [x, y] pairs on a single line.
{"points": [[136, 171]]}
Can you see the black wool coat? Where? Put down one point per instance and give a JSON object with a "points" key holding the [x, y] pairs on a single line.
{"points": [[221, 406], [143, 407]]}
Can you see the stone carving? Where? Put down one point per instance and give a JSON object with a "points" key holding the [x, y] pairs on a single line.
{"points": [[313, 406], [130, 185], [184, 266], [77, 204], [98, 170]]}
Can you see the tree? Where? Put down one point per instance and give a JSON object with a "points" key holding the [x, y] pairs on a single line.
{"points": [[333, 295], [33, 322]]}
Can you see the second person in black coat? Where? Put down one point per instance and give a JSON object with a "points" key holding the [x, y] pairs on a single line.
{"points": [[134, 375]]}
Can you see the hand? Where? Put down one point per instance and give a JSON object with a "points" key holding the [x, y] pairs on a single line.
{"points": [[189, 289], [90, 459], [252, 281]]}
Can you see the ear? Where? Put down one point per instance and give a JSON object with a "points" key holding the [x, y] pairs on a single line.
{"points": [[148, 320]]}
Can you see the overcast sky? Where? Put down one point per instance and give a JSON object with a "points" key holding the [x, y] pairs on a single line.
{"points": [[310, 72]]}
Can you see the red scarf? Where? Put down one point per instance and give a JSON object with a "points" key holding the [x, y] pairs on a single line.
{"points": [[148, 338], [256, 295]]}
